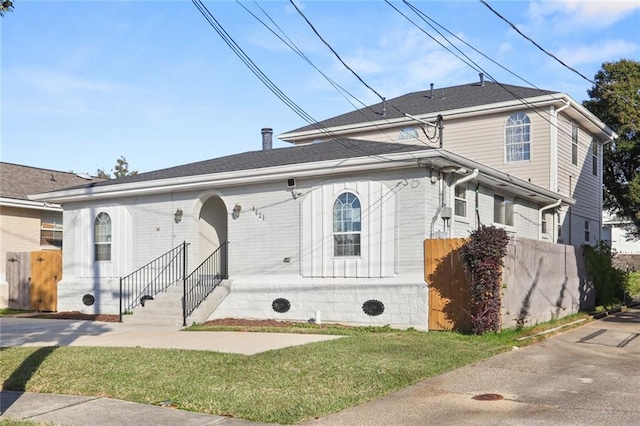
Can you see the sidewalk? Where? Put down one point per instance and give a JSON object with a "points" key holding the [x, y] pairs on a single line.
{"points": [[81, 411]]}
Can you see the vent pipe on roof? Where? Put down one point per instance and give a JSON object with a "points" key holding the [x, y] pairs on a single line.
{"points": [[431, 95], [267, 138], [481, 79]]}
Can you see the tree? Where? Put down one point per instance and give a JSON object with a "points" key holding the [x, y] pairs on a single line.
{"points": [[6, 6], [615, 99], [120, 170]]}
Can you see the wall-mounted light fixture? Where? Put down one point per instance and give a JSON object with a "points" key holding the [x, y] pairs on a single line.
{"points": [[177, 217], [236, 211]]}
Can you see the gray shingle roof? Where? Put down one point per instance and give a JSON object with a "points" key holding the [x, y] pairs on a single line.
{"points": [[18, 182], [325, 151], [444, 99]]}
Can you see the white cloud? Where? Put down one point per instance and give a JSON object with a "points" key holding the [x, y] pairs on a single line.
{"points": [[589, 14], [597, 52]]}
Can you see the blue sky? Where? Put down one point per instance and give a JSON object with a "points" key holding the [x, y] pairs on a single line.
{"points": [[85, 82]]}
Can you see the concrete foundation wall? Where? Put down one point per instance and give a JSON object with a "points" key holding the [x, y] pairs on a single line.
{"points": [[335, 300]]}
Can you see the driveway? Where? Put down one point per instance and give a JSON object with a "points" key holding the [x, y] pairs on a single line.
{"points": [[57, 332], [589, 375]]}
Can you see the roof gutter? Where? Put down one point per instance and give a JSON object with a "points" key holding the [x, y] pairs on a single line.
{"points": [[33, 205]]}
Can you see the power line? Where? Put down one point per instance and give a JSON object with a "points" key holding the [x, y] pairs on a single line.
{"points": [[291, 44], [230, 42], [382, 98], [536, 44], [475, 65]]}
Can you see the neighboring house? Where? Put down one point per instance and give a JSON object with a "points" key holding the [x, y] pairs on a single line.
{"points": [[335, 230], [27, 225], [616, 235]]}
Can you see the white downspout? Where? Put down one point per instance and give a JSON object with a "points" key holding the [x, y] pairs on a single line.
{"points": [[553, 163], [452, 198], [550, 206]]}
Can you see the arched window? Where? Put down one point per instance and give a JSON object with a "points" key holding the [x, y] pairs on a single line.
{"points": [[102, 237], [346, 225], [517, 138]]}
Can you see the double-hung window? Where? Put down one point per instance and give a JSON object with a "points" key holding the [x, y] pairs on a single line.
{"points": [[517, 138], [460, 200], [502, 210], [102, 237], [347, 225]]}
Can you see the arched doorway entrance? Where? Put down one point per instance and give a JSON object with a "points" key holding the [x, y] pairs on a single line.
{"points": [[212, 227]]}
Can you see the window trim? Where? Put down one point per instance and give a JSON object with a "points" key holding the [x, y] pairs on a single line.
{"points": [[462, 200], [55, 229], [517, 121], [504, 203], [575, 137], [103, 219], [587, 230], [356, 247]]}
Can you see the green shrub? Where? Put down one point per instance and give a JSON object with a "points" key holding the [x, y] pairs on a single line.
{"points": [[610, 283], [482, 255]]}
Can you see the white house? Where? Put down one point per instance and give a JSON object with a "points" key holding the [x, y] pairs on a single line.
{"points": [[331, 230]]}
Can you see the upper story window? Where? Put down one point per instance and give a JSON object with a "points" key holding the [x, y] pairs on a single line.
{"points": [[408, 133], [102, 237], [594, 157], [460, 200], [574, 144], [517, 138], [347, 225], [502, 210]]}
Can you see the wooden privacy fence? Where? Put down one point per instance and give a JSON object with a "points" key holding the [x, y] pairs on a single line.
{"points": [[33, 279], [541, 281], [449, 303]]}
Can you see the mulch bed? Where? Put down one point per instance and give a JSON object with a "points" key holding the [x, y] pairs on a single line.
{"points": [[75, 315]]}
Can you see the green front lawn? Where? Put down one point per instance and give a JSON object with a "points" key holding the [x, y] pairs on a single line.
{"points": [[284, 386]]}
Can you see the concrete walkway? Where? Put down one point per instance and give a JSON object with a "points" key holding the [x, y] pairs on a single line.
{"points": [[588, 376], [56, 332]]}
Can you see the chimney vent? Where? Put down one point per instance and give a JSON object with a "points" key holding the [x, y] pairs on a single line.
{"points": [[481, 79], [431, 96], [267, 138]]}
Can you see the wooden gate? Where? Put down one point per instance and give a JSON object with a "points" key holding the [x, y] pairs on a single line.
{"points": [[449, 302], [17, 274], [33, 279]]}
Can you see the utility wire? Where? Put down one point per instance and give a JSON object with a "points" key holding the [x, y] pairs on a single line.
{"points": [[536, 44], [334, 52], [265, 80], [424, 16], [382, 98], [292, 45], [471, 63]]}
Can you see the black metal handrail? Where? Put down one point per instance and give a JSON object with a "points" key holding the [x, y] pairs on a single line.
{"points": [[153, 278], [203, 280]]}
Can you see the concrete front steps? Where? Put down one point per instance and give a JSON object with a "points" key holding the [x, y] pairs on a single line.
{"points": [[166, 307]]}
